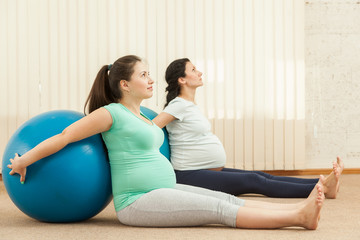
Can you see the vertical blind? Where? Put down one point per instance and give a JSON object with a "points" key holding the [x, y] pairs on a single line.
{"points": [[250, 51]]}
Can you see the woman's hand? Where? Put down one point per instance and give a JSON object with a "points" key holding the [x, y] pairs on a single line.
{"points": [[18, 167]]}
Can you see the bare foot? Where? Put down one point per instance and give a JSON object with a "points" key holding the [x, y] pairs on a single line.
{"points": [[314, 192], [310, 213], [340, 164], [331, 183], [340, 167]]}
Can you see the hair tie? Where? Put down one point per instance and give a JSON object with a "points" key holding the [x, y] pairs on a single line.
{"points": [[109, 66]]}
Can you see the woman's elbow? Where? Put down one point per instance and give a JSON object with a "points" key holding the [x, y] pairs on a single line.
{"points": [[158, 123], [65, 137], [163, 119]]}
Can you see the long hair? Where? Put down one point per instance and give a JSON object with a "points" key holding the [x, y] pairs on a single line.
{"points": [[106, 88], [174, 71]]}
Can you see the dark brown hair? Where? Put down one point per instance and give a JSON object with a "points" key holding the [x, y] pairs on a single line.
{"points": [[174, 71], [106, 89]]}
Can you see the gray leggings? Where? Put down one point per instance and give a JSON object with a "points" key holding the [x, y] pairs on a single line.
{"points": [[181, 206]]}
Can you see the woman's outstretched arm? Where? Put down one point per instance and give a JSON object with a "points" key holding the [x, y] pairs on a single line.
{"points": [[96, 122], [163, 119]]}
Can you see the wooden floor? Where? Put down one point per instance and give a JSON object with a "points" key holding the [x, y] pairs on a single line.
{"points": [[340, 219]]}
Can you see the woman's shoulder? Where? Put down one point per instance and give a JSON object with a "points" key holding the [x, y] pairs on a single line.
{"points": [[115, 109], [177, 107], [180, 101], [113, 106]]}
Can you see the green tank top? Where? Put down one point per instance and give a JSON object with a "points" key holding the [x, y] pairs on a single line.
{"points": [[137, 166]]}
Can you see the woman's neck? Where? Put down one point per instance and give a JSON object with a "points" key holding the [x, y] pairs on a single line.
{"points": [[133, 106], [188, 94]]}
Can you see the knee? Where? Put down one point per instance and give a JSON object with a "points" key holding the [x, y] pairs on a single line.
{"points": [[255, 177]]}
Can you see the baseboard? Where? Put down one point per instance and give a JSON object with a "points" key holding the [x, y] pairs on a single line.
{"points": [[310, 172], [300, 172]]}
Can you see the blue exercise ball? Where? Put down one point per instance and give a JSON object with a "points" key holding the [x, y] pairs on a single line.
{"points": [[69, 186], [165, 148]]}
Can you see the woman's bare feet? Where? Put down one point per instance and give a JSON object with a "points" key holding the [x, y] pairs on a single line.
{"points": [[310, 212], [340, 164], [332, 182]]}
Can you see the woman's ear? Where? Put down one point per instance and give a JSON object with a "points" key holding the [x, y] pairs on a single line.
{"points": [[181, 81], [124, 86]]}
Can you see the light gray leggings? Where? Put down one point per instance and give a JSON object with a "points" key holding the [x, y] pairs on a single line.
{"points": [[181, 206]]}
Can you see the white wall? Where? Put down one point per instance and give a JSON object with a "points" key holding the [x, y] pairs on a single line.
{"points": [[251, 53], [332, 30]]}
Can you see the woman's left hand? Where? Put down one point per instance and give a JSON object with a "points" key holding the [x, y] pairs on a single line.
{"points": [[16, 166]]}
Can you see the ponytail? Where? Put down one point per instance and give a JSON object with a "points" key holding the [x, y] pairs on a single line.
{"points": [[106, 88], [100, 93], [174, 71]]}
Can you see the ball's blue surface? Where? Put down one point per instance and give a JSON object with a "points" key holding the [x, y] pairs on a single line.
{"points": [[71, 185]]}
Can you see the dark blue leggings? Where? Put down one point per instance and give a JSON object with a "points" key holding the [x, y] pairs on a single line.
{"points": [[236, 182]]}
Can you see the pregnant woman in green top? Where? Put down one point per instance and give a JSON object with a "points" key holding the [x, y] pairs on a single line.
{"points": [[143, 181]]}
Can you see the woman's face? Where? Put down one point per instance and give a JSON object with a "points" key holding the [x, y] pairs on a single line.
{"points": [[192, 76], [140, 84]]}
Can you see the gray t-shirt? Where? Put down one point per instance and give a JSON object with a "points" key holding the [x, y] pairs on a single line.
{"points": [[193, 145]]}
